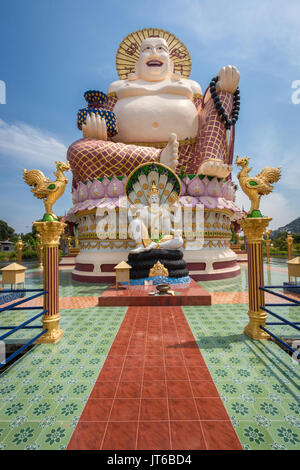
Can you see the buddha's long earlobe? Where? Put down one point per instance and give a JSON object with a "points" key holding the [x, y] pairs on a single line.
{"points": [[132, 76], [174, 75]]}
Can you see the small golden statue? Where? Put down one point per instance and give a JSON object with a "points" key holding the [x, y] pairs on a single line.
{"points": [[255, 187], [44, 188], [158, 270]]}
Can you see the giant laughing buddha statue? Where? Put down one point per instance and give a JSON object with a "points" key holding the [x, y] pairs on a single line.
{"points": [[155, 113]]}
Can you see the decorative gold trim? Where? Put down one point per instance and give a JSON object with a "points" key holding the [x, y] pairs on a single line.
{"points": [[227, 212], [129, 50], [207, 235], [50, 232], [210, 243], [161, 145], [158, 270], [54, 333], [86, 212], [254, 228], [108, 244], [217, 235]]}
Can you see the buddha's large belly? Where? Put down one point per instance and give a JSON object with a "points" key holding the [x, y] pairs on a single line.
{"points": [[154, 118]]}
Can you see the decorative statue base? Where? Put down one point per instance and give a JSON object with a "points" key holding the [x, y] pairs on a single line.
{"points": [[172, 260], [155, 113]]}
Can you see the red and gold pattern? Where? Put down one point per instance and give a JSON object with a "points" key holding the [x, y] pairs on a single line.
{"points": [[91, 158]]}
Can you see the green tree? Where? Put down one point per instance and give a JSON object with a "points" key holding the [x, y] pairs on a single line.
{"points": [[29, 239], [7, 232]]}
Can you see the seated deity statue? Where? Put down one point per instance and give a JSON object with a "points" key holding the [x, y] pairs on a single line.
{"points": [[161, 115], [153, 226]]}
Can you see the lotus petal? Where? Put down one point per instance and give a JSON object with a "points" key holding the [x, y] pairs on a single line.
{"points": [[214, 188], [97, 189], [82, 192], [115, 188], [195, 187]]}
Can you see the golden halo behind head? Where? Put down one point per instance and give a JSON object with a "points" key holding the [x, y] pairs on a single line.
{"points": [[129, 50]]}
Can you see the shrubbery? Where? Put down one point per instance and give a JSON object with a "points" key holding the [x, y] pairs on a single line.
{"points": [[8, 256], [30, 254]]}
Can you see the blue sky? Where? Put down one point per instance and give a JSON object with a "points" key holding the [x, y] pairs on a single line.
{"points": [[53, 50]]}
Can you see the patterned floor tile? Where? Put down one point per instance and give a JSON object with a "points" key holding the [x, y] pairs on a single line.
{"points": [[257, 381], [43, 394]]}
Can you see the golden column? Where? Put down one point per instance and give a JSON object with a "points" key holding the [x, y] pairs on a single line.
{"points": [[253, 229], [50, 230], [254, 226], [19, 248], [69, 243], [50, 233], [289, 241], [40, 247], [268, 242]]}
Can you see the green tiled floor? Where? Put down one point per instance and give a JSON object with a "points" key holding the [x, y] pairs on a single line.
{"points": [[67, 287], [43, 395], [258, 382], [240, 283]]}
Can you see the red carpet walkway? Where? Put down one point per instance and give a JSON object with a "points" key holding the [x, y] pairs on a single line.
{"points": [[154, 391]]}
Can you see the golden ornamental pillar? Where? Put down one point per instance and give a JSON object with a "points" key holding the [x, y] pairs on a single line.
{"points": [[254, 228], [40, 247], [268, 242], [19, 248], [268, 250], [50, 233], [69, 244], [289, 241]]}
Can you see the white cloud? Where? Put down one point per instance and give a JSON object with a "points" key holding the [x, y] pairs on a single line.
{"points": [[246, 28], [266, 147], [30, 145]]}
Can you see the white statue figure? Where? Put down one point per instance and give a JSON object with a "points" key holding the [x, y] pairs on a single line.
{"points": [[156, 105], [153, 226]]}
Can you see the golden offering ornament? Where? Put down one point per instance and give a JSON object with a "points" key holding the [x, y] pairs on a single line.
{"points": [[256, 186], [158, 270], [129, 50], [47, 190]]}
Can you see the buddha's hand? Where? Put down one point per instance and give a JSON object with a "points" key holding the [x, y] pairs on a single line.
{"points": [[229, 78], [95, 127], [169, 155]]}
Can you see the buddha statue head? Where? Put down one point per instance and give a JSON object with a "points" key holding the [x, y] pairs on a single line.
{"points": [[154, 63], [153, 194]]}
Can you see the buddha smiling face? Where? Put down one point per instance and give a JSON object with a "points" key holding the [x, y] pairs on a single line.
{"points": [[154, 63]]}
